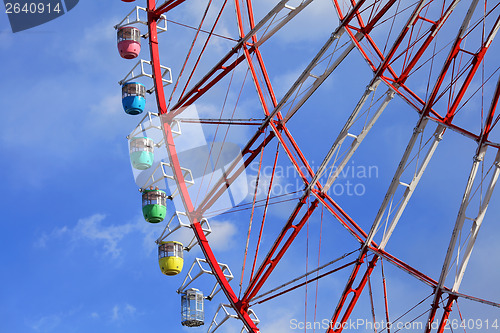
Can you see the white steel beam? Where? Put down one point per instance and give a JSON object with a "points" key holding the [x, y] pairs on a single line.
{"points": [[293, 12], [344, 132], [461, 216], [476, 225], [410, 188], [295, 89], [396, 182], [357, 138]]}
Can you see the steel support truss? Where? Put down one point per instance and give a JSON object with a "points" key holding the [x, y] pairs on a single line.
{"points": [[305, 86], [455, 249]]}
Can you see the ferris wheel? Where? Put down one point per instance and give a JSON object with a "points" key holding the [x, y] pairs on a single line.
{"points": [[235, 130]]}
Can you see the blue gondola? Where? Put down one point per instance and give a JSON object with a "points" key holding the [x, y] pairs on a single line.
{"points": [[133, 97]]}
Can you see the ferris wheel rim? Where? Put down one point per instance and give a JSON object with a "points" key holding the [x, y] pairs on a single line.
{"points": [[199, 233], [241, 309]]}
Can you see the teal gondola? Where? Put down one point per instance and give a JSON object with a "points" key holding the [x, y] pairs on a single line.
{"points": [[141, 152]]}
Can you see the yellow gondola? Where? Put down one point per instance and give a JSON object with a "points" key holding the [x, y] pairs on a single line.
{"points": [[170, 257]]}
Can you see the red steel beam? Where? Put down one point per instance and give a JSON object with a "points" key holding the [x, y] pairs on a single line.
{"points": [[217, 73], [278, 250], [476, 62], [434, 307], [277, 129], [436, 26], [446, 314], [333, 327]]}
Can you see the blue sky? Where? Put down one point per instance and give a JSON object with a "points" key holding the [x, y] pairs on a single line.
{"points": [[79, 257]]}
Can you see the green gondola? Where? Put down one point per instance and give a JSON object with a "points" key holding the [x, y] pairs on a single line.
{"points": [[154, 205]]}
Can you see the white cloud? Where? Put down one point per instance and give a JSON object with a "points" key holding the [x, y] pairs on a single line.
{"points": [[120, 312], [107, 107], [280, 325], [87, 51], [117, 313], [281, 318], [283, 81], [107, 236], [50, 322], [46, 323], [91, 228], [56, 233], [222, 236]]}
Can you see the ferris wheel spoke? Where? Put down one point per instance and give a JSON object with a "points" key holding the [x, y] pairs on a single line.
{"points": [[273, 292], [234, 170], [357, 138], [167, 6], [318, 78], [227, 64], [342, 314], [398, 263], [473, 298], [478, 220], [410, 187]]}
